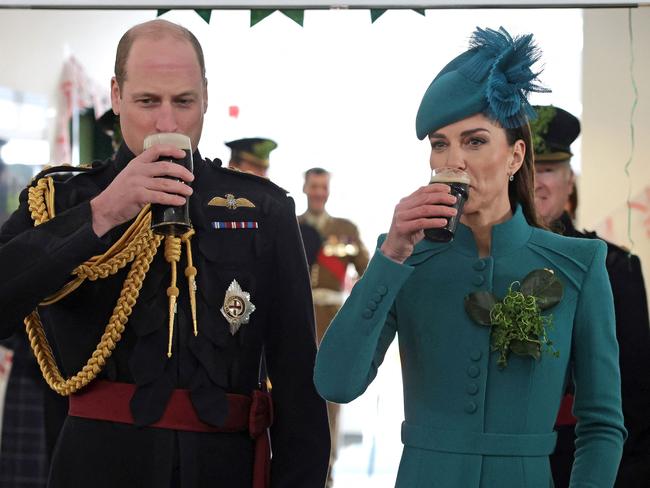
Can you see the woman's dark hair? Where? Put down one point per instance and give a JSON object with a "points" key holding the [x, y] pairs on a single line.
{"points": [[521, 189]]}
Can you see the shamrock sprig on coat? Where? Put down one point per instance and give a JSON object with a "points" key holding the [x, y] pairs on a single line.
{"points": [[517, 323]]}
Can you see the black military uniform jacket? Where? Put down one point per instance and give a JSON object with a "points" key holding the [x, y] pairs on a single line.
{"points": [[633, 334], [267, 262]]}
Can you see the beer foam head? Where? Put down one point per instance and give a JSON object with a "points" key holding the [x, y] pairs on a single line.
{"points": [[181, 141], [449, 175]]}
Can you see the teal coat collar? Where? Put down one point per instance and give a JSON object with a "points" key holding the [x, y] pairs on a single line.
{"points": [[507, 237]]}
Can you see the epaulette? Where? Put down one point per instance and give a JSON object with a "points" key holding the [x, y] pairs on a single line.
{"points": [[611, 247], [217, 164], [66, 169]]}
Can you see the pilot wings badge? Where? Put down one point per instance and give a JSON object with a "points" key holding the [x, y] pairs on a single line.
{"points": [[237, 307], [230, 202]]}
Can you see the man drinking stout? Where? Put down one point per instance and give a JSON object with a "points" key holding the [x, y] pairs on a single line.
{"points": [[160, 341]]}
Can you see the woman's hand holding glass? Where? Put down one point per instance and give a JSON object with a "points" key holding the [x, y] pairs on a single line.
{"points": [[428, 207]]}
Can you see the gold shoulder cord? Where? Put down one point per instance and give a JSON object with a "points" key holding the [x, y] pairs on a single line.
{"points": [[139, 245]]}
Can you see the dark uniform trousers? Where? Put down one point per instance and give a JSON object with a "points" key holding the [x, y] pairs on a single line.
{"points": [[633, 334], [266, 259]]}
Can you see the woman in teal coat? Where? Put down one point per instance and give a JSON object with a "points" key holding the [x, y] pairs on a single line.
{"points": [[485, 353]]}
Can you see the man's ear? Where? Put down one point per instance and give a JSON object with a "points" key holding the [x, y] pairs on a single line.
{"points": [[205, 96], [572, 177], [116, 96]]}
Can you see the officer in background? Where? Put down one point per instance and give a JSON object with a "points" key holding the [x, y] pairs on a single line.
{"points": [[554, 130], [160, 339], [341, 247], [251, 155]]}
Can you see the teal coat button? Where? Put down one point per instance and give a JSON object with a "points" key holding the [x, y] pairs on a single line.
{"points": [[470, 407]]}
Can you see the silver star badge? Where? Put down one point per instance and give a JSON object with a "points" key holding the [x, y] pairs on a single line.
{"points": [[237, 307]]}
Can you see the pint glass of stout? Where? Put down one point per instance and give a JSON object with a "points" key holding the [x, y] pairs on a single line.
{"points": [[458, 181], [168, 220]]}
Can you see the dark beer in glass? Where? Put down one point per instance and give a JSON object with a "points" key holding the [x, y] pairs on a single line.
{"points": [[170, 220], [458, 181]]}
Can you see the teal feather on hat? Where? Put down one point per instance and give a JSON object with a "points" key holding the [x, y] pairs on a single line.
{"points": [[493, 77]]}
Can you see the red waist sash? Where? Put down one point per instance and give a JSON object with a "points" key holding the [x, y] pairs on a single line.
{"points": [[109, 400], [564, 416], [334, 265]]}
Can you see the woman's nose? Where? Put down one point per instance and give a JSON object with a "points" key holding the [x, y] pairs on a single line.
{"points": [[455, 158]]}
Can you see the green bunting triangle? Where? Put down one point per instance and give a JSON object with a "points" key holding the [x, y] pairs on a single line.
{"points": [[257, 15], [419, 10], [204, 13], [375, 13], [297, 15]]}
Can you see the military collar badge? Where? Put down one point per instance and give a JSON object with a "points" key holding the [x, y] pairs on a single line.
{"points": [[237, 307], [230, 202]]}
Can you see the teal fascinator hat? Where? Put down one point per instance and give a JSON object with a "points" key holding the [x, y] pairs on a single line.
{"points": [[493, 77]]}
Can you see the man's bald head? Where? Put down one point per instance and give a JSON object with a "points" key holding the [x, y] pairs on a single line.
{"points": [[154, 29]]}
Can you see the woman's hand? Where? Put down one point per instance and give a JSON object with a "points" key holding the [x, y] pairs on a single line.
{"points": [[142, 182], [426, 208]]}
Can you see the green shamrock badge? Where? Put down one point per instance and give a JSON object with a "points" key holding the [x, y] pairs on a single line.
{"points": [[517, 322]]}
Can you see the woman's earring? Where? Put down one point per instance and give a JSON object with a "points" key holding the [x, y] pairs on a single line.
{"points": [[511, 177]]}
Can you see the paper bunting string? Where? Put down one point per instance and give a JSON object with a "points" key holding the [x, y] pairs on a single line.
{"points": [[204, 13], [297, 15], [375, 13]]}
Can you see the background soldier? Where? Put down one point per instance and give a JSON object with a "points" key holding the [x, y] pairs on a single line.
{"points": [[341, 247], [251, 155], [554, 131]]}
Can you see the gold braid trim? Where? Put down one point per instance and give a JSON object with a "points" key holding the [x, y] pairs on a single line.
{"points": [[173, 249], [138, 244], [41, 201], [190, 274], [172, 256]]}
